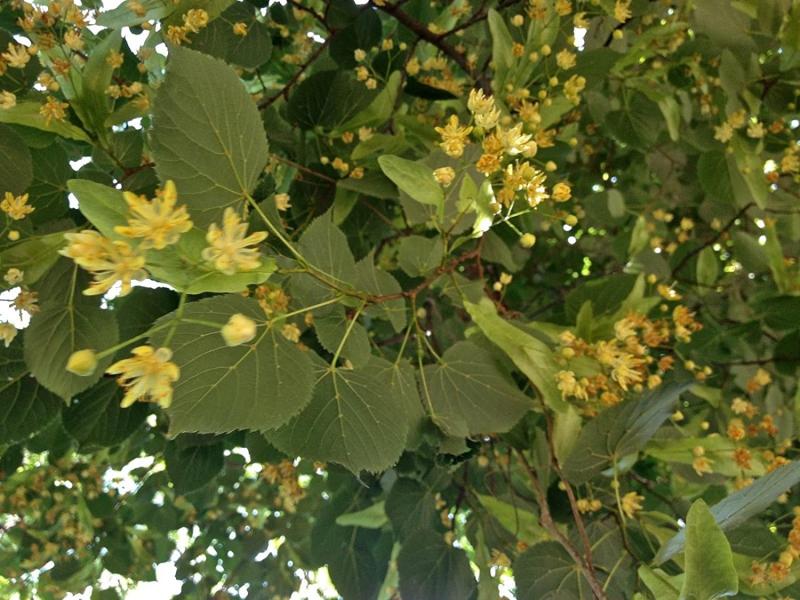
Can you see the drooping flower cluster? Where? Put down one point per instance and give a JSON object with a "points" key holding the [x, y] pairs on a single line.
{"points": [[627, 362], [108, 261]]}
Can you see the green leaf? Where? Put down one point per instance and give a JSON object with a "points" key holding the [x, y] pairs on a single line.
{"points": [[103, 206], [354, 419], [95, 417], [218, 39], [530, 355], [192, 467], [379, 110], [414, 178], [547, 571], [418, 256], [400, 378], [469, 394], [372, 517], [410, 506], [255, 386], [707, 266], [68, 322], [502, 44], [34, 255], [27, 113], [363, 33], [375, 281], [709, 568], [207, 134], [92, 103], [518, 520], [430, 569], [48, 191], [25, 405], [328, 99], [662, 585], [620, 430], [740, 506], [124, 16], [672, 115], [16, 166], [331, 326], [616, 203], [712, 171]]}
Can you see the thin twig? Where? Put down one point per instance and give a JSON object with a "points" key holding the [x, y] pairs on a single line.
{"points": [[266, 102]]}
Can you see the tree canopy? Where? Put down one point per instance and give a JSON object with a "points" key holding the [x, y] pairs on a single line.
{"points": [[409, 299]]}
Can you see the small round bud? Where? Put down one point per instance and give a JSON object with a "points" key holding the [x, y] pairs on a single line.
{"points": [[571, 220], [527, 240], [238, 330], [618, 34], [517, 20], [82, 362], [546, 50]]}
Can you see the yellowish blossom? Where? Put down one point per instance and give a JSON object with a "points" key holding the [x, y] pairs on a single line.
{"points": [[239, 329], [454, 137], [156, 221], [631, 504], [147, 376], [7, 333], [16, 207], [229, 247], [108, 261]]}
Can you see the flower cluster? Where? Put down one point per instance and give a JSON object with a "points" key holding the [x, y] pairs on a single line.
{"points": [[600, 373]]}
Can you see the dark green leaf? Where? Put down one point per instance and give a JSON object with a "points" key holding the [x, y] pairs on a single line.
{"points": [[430, 569]]}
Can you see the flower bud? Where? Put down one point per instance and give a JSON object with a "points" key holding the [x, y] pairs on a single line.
{"points": [[82, 362], [527, 240], [238, 330]]}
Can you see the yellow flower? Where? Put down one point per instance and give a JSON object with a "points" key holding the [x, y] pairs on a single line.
{"points": [[238, 330], [622, 10], [16, 56], [195, 19], [515, 142], [115, 59], [291, 332], [73, 39], [109, 262], [82, 362], [631, 503], [16, 207], [228, 245], [568, 385], [565, 59], [756, 130], [7, 333], [700, 463], [723, 133], [444, 175], [27, 301], [478, 103], [53, 109], [7, 100], [282, 202], [454, 137], [561, 192], [13, 276], [240, 29], [359, 54], [148, 376], [156, 220], [527, 240], [177, 34]]}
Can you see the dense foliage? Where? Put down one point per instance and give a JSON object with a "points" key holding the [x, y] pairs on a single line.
{"points": [[441, 300]]}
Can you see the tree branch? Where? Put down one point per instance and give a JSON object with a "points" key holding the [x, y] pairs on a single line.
{"points": [[266, 102], [549, 525]]}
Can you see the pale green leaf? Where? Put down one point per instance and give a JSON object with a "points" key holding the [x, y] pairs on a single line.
{"points": [[254, 386], [530, 355], [25, 405], [354, 419], [33, 255], [413, 178], [372, 517], [68, 321], [708, 561], [620, 430], [431, 569], [16, 167], [741, 505], [207, 134], [418, 255], [27, 113], [469, 394]]}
